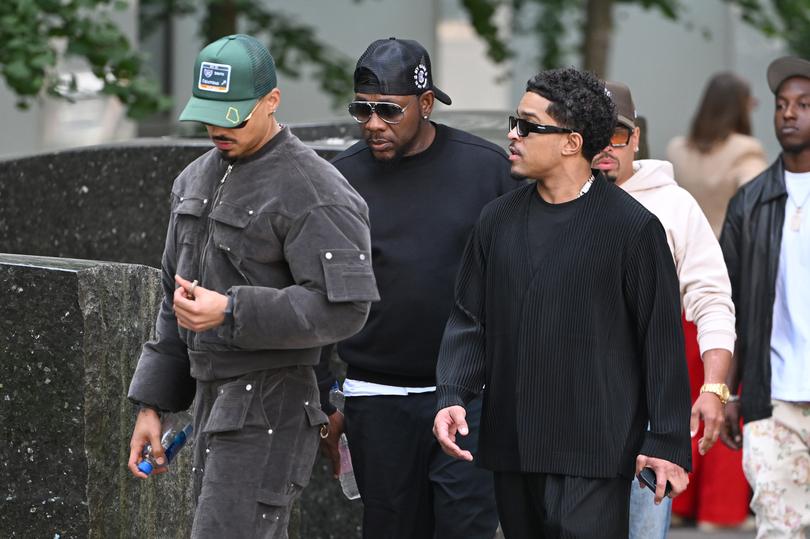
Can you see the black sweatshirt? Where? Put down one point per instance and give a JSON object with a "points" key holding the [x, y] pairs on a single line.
{"points": [[578, 346], [421, 211]]}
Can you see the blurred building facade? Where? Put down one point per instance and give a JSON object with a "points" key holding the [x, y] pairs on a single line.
{"points": [[665, 63]]}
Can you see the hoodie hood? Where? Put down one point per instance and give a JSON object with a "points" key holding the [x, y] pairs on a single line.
{"points": [[650, 174]]}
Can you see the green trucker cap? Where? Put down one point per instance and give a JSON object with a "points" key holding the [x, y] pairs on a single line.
{"points": [[230, 76]]}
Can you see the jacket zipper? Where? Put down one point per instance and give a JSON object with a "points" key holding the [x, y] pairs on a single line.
{"points": [[208, 227]]}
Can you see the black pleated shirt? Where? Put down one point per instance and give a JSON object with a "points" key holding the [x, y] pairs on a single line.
{"points": [[576, 340]]}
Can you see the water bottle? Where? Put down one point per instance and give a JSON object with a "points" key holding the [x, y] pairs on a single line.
{"points": [[177, 432], [346, 476]]}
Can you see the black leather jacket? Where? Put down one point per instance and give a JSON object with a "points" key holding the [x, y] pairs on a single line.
{"points": [[751, 241]]}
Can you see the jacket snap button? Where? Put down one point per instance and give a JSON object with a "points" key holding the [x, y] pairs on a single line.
{"points": [[250, 212], [182, 199], [248, 387], [362, 257], [328, 256]]}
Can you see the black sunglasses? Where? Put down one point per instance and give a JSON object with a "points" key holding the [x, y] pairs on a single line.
{"points": [[524, 127], [390, 113]]}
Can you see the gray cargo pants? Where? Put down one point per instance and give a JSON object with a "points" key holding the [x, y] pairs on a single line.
{"points": [[257, 442]]}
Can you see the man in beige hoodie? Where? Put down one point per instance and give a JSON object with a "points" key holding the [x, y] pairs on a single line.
{"points": [[704, 284]]}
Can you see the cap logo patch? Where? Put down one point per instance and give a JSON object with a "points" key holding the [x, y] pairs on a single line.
{"points": [[420, 77], [214, 77], [232, 115]]}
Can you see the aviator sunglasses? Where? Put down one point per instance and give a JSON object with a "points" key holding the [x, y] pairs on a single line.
{"points": [[390, 113], [524, 127]]}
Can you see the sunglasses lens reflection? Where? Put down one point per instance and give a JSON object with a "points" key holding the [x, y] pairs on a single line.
{"points": [[620, 137], [389, 112], [360, 111], [522, 128]]}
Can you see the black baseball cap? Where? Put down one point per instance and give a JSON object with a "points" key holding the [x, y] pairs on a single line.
{"points": [[396, 67], [784, 68]]}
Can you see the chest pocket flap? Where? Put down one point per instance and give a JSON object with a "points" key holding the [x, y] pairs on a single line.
{"points": [[190, 206], [231, 215], [348, 275]]}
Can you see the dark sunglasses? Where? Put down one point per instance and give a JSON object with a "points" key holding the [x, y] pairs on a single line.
{"points": [[524, 127], [620, 137], [390, 113]]}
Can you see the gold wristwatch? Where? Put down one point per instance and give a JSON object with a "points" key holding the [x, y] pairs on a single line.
{"points": [[721, 390]]}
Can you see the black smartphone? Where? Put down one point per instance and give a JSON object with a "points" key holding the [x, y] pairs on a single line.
{"points": [[647, 476]]}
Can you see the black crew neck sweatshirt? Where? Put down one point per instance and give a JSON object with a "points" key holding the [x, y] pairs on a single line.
{"points": [[421, 211]]}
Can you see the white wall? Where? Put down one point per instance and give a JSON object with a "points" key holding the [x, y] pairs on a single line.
{"points": [[667, 66], [51, 124]]}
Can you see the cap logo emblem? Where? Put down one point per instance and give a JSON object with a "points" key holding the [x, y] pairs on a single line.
{"points": [[420, 77], [214, 77], [232, 115]]}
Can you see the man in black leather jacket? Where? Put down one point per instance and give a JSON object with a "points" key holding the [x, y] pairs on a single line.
{"points": [[766, 244]]}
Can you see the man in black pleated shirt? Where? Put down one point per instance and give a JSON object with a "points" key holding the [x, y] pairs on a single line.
{"points": [[567, 318]]}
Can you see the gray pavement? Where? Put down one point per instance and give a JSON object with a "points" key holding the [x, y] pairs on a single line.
{"points": [[694, 533]]}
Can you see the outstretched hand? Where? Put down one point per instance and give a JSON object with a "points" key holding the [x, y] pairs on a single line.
{"points": [[709, 408], [664, 471], [448, 422]]}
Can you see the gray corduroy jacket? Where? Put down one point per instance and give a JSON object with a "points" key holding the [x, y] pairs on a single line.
{"points": [[282, 233]]}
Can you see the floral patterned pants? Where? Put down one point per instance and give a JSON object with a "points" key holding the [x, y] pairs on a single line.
{"points": [[776, 460]]}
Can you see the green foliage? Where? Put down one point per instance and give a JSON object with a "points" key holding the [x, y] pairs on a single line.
{"points": [[294, 45], [35, 34], [788, 19]]}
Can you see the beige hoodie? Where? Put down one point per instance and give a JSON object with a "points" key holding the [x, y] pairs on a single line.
{"points": [[705, 288]]}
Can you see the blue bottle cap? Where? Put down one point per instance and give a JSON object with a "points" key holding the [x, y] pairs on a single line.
{"points": [[145, 466]]}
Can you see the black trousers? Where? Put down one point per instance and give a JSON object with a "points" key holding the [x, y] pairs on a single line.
{"points": [[547, 506], [410, 488]]}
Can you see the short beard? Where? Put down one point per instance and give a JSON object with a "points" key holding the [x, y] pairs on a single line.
{"points": [[389, 161], [611, 178], [796, 148]]}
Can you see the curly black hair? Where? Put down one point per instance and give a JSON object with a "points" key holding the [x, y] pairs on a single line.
{"points": [[580, 102]]}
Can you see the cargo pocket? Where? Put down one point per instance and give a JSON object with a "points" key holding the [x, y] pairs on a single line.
{"points": [[273, 511], [187, 232], [308, 444], [228, 234], [187, 214], [230, 407], [348, 275]]}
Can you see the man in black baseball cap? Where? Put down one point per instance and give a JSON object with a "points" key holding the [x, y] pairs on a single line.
{"points": [[766, 243], [425, 184]]}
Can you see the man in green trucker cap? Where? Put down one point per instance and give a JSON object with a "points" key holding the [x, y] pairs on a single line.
{"points": [[267, 259]]}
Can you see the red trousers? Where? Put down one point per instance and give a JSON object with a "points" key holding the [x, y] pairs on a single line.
{"points": [[718, 492]]}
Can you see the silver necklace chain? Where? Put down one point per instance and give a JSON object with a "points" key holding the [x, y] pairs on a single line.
{"points": [[586, 187]]}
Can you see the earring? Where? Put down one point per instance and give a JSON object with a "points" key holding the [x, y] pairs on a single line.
{"points": [[425, 117]]}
